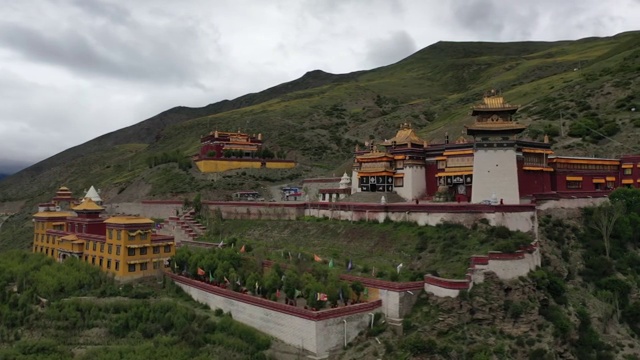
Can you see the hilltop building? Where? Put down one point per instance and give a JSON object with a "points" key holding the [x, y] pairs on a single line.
{"points": [[125, 246], [493, 165], [222, 151]]}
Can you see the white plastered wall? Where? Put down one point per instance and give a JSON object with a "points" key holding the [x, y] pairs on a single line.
{"points": [[495, 172]]}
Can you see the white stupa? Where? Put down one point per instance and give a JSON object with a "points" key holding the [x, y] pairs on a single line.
{"points": [[345, 181], [93, 195]]}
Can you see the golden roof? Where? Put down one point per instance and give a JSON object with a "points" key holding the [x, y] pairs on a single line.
{"points": [[128, 220], [494, 102], [63, 188], [375, 154], [500, 125], [88, 205], [52, 214], [405, 135], [70, 237]]}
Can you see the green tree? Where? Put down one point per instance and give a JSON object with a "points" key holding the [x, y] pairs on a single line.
{"points": [[357, 288]]}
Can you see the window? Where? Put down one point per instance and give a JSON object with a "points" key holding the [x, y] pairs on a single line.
{"points": [[143, 236], [102, 247], [143, 251], [84, 228], [109, 248], [398, 182], [628, 171], [77, 227], [47, 251], [118, 235], [156, 249], [86, 258], [110, 231], [143, 266], [109, 264], [86, 245], [442, 164], [117, 249], [100, 263], [95, 246], [156, 265], [93, 260], [117, 265], [131, 251], [611, 184], [574, 184], [167, 248], [132, 267], [131, 237]]}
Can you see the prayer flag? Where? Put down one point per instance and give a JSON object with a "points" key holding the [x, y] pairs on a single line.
{"points": [[175, 265], [290, 255], [321, 297], [341, 295], [350, 265], [331, 263], [210, 277], [317, 258], [256, 286], [278, 293], [399, 267], [366, 293], [201, 272], [221, 244], [299, 256], [373, 271], [242, 249], [297, 293], [238, 282], [226, 280]]}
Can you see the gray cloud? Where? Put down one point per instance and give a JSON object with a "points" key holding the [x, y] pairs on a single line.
{"points": [[389, 49]]}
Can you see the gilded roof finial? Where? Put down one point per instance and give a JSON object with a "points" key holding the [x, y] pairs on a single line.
{"points": [[546, 139]]}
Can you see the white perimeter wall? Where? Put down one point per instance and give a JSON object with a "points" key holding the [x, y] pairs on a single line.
{"points": [[317, 337], [495, 172], [524, 221], [440, 291], [415, 183], [397, 304], [508, 269]]}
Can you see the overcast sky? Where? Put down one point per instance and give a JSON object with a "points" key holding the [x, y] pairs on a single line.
{"points": [[71, 70]]}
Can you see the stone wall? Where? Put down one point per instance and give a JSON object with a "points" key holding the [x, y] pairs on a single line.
{"points": [[505, 266], [318, 332]]}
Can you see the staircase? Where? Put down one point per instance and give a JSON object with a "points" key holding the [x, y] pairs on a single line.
{"points": [[184, 228]]}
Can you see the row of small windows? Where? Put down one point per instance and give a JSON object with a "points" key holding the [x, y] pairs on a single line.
{"points": [[586, 167], [143, 235], [93, 245], [101, 262]]}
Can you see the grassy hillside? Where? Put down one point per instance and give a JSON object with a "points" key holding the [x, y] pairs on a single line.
{"points": [[75, 311]]}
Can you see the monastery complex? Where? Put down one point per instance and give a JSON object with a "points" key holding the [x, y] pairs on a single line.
{"points": [[221, 151], [125, 246], [491, 165]]}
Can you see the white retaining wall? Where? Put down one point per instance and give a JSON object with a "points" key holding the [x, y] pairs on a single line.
{"points": [[318, 337], [524, 221]]}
